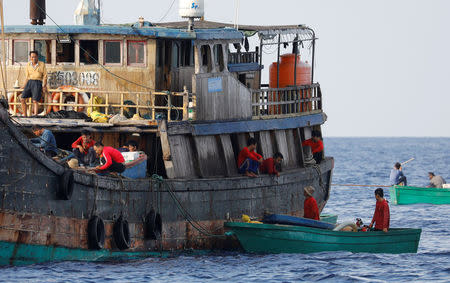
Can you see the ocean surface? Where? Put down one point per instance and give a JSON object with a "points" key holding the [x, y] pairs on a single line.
{"points": [[365, 161]]}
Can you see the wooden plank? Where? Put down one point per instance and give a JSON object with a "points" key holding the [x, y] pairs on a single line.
{"points": [[282, 146], [265, 144], [182, 156], [228, 155], [292, 149], [165, 146], [298, 147], [209, 161]]}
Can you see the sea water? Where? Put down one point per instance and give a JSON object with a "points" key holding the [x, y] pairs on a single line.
{"points": [[365, 161]]}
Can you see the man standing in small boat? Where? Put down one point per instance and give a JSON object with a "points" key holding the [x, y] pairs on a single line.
{"points": [[35, 83], [310, 208], [397, 177], [435, 181], [381, 216]]}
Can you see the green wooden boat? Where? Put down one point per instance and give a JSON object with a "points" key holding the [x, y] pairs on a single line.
{"points": [[270, 238], [410, 195], [329, 218]]}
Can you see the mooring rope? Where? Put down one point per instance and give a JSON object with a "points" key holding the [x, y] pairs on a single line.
{"points": [[359, 185]]}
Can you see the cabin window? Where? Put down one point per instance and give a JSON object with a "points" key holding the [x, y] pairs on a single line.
{"points": [[88, 52], [136, 53], [113, 52], [65, 52], [20, 51], [206, 57], [218, 57], [1, 51], [186, 53], [44, 49]]}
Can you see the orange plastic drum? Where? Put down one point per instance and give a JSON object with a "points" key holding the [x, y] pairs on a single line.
{"points": [[287, 65]]}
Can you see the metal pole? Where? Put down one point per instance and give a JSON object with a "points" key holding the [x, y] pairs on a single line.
{"points": [[278, 62], [295, 63], [260, 60], [313, 51], [3, 63]]}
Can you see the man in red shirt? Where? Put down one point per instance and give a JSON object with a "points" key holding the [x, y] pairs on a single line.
{"points": [[310, 208], [381, 215], [316, 145], [83, 149], [249, 160], [269, 165], [111, 159]]}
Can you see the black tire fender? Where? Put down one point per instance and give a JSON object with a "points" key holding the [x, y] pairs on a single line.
{"points": [[121, 233], [96, 233], [153, 225], [65, 186]]}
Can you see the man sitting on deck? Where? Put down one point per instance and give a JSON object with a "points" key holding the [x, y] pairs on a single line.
{"points": [[83, 149], [132, 146], [310, 208], [316, 145], [110, 158], [249, 160], [381, 215], [435, 181], [45, 140], [269, 165], [397, 177]]}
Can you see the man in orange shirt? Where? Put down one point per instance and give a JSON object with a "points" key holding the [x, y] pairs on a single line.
{"points": [[269, 165], [249, 160], [310, 208], [83, 149], [316, 145], [381, 216]]}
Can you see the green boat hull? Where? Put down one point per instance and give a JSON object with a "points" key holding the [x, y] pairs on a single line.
{"points": [[269, 238], [329, 218], [25, 254], [411, 195]]}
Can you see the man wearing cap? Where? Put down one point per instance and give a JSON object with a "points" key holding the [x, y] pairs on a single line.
{"points": [[35, 82], [310, 208]]}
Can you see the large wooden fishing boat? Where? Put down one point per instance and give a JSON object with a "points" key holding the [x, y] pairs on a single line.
{"points": [[200, 97]]}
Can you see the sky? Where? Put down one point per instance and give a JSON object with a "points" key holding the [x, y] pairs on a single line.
{"points": [[383, 66]]}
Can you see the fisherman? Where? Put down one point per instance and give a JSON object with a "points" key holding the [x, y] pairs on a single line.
{"points": [[316, 144], [249, 160], [397, 177], [83, 149], [45, 140], [435, 181], [270, 165], [310, 208], [111, 159], [381, 215], [35, 83]]}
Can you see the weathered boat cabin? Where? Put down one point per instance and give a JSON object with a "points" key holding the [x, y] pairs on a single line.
{"points": [[206, 83]]}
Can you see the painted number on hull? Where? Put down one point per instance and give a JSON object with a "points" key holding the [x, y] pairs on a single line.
{"points": [[79, 79]]}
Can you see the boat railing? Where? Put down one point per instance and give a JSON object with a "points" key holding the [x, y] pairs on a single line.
{"points": [[286, 102], [173, 105], [243, 57]]}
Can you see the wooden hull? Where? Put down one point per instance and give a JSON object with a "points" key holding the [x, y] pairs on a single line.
{"points": [[411, 195], [268, 238], [32, 215]]}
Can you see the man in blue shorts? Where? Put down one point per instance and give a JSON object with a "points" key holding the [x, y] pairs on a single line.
{"points": [[35, 82]]}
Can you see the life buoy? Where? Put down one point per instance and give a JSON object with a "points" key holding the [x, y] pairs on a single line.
{"points": [[346, 224], [66, 184], [121, 233], [11, 100], [96, 233], [153, 225], [82, 97]]}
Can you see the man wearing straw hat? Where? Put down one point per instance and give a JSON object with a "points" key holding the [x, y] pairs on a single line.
{"points": [[310, 208]]}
